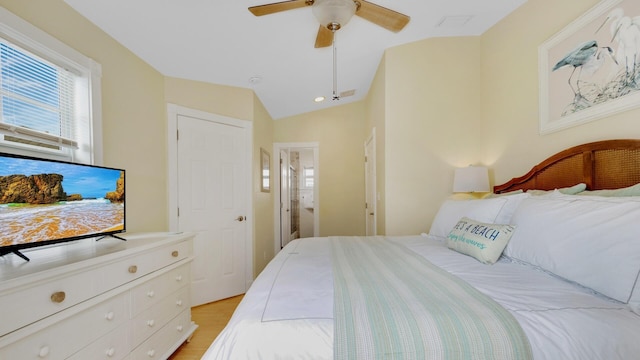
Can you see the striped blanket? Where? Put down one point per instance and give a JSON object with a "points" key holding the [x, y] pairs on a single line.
{"points": [[390, 303]]}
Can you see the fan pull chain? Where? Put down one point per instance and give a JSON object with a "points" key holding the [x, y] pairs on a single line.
{"points": [[335, 68]]}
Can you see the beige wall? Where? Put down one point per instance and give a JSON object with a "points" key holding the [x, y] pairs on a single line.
{"points": [[223, 100], [133, 116], [262, 202], [436, 104], [432, 124], [340, 133], [451, 102], [134, 97], [510, 91]]}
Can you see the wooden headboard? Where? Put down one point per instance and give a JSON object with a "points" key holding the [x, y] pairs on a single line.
{"points": [[609, 164]]}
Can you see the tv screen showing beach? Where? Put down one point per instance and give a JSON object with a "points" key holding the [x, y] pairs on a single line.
{"points": [[47, 201]]}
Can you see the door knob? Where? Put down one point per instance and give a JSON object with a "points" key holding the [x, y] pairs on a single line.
{"points": [[241, 218]]}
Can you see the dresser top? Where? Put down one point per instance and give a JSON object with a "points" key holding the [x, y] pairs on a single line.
{"points": [[70, 256]]}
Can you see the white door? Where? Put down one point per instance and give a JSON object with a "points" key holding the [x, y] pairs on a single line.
{"points": [[370, 184], [212, 203], [285, 202]]}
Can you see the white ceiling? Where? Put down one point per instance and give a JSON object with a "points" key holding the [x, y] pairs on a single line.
{"points": [[221, 42]]}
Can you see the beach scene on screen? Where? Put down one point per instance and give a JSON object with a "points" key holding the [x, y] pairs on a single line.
{"points": [[43, 201]]}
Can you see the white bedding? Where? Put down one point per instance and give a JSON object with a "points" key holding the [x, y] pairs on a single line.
{"points": [[288, 312]]}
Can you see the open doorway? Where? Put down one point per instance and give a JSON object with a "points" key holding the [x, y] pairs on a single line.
{"points": [[296, 207]]}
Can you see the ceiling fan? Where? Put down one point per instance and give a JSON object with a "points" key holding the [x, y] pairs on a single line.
{"points": [[334, 14]]}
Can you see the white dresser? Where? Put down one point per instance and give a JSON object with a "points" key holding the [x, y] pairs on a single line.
{"points": [[107, 299]]}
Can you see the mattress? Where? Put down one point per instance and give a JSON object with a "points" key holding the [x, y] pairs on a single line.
{"points": [[288, 311]]}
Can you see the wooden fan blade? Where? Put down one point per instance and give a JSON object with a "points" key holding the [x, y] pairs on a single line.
{"points": [[324, 38], [387, 18], [267, 9]]}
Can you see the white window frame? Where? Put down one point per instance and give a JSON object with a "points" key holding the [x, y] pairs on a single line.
{"points": [[29, 37]]}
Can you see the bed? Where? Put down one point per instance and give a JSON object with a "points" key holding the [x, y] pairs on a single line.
{"points": [[545, 268]]}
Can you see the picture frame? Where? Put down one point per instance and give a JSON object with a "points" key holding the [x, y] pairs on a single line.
{"points": [[585, 72], [265, 164]]}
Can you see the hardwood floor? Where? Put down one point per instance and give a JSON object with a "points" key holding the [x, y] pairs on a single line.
{"points": [[211, 319]]}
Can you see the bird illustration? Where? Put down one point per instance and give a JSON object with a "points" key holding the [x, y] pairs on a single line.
{"points": [[583, 55], [625, 31]]}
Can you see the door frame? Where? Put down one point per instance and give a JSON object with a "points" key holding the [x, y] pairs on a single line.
{"points": [[283, 220], [371, 185], [315, 146], [173, 111]]}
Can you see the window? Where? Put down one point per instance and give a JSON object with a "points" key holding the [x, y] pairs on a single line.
{"points": [[307, 176], [49, 96]]}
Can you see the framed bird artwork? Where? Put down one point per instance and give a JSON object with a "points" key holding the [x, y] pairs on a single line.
{"points": [[591, 68]]}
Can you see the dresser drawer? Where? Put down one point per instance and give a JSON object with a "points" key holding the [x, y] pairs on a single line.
{"points": [[112, 346], [152, 319], [159, 344], [153, 291], [70, 335], [97, 300], [172, 253], [22, 307], [25, 306], [129, 269]]}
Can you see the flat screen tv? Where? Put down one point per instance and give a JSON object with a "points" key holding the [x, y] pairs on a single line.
{"points": [[43, 202]]}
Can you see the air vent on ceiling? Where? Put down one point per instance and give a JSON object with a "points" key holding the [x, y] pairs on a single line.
{"points": [[454, 21], [348, 93]]}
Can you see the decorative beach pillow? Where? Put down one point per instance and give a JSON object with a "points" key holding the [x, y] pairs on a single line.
{"points": [[496, 210], [483, 241]]}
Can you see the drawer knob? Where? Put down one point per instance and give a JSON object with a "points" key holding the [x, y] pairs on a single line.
{"points": [[151, 294], [109, 316], [133, 269], [110, 352], [151, 353], [44, 351], [179, 328], [58, 296], [179, 302], [175, 253], [150, 323], [179, 278]]}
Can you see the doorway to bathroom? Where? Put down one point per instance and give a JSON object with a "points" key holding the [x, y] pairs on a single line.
{"points": [[296, 191]]}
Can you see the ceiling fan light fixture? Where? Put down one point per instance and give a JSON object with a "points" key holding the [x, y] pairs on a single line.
{"points": [[334, 14]]}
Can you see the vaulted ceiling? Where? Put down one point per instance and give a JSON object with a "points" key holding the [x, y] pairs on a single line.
{"points": [[221, 42]]}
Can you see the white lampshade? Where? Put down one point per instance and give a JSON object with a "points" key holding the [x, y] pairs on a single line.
{"points": [[471, 179], [333, 14]]}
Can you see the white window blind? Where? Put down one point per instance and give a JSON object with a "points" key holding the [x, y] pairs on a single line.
{"points": [[37, 100]]}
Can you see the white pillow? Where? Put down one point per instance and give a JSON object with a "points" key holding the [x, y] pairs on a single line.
{"points": [[451, 211], [572, 190], [633, 190], [493, 211], [592, 241], [493, 195], [506, 213], [485, 242]]}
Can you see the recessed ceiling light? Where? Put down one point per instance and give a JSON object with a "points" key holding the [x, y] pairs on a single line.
{"points": [[319, 99]]}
